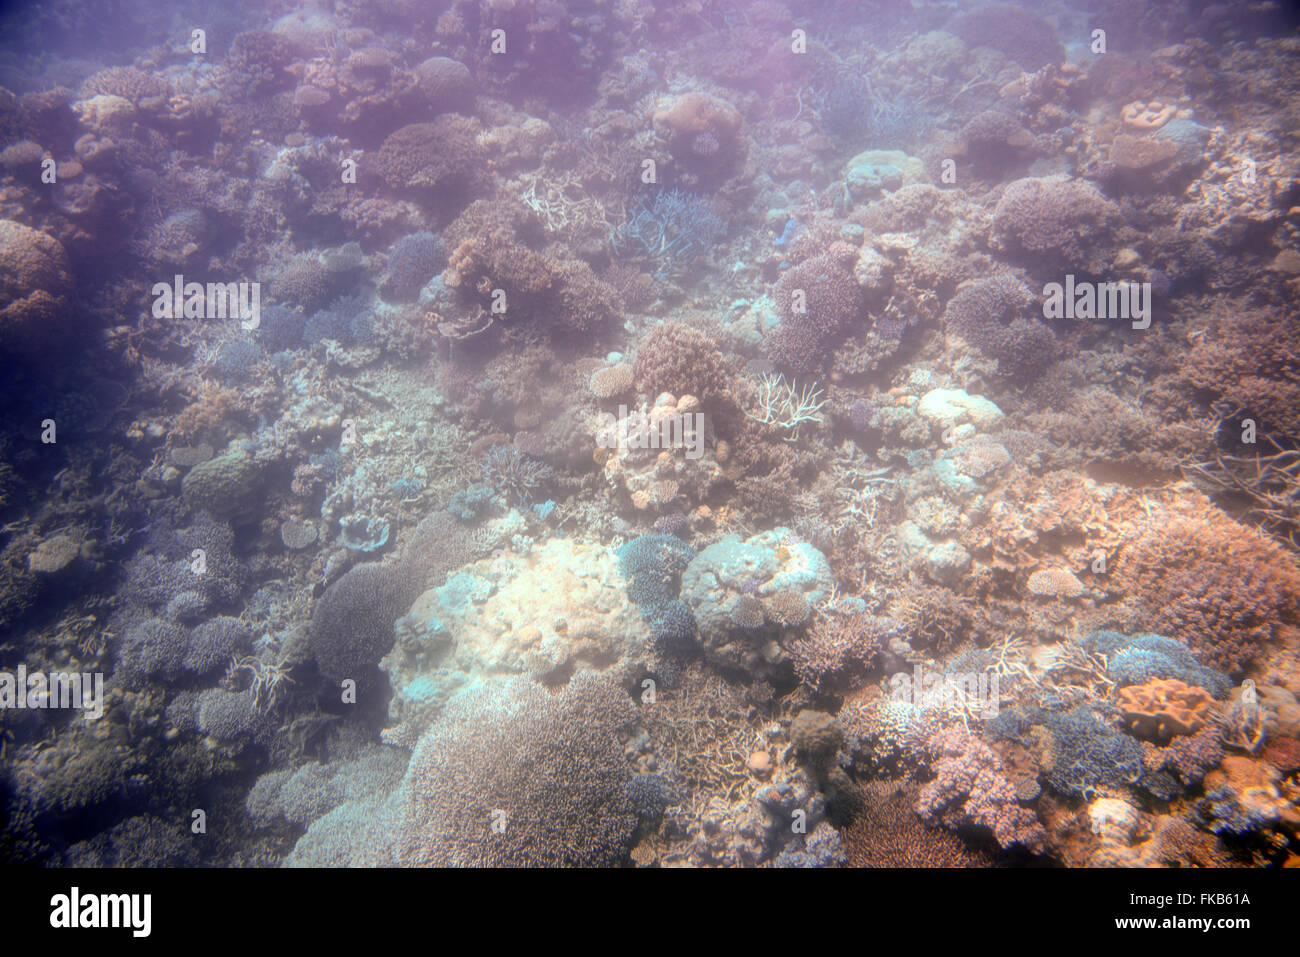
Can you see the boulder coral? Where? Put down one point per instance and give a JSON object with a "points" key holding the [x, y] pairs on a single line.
{"points": [[1056, 224], [762, 566], [35, 281], [703, 134]]}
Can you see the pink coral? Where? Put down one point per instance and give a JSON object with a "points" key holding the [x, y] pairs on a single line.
{"points": [[970, 789]]}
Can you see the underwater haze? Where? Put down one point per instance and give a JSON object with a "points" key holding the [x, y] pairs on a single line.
{"points": [[650, 433]]}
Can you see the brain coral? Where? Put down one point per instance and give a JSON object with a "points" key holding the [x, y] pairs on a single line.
{"points": [[512, 776], [225, 486], [428, 156], [352, 624], [445, 82], [1057, 224], [34, 285]]}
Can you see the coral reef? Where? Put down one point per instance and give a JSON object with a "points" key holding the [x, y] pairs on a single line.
{"points": [[586, 433]]}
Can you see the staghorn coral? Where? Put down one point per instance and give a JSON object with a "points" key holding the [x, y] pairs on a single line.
{"points": [[887, 832], [1190, 756], [1136, 659], [838, 650], [669, 232], [135, 86]]}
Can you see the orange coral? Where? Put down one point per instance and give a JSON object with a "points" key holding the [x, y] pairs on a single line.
{"points": [[888, 833], [1204, 579], [1148, 116], [1164, 707]]}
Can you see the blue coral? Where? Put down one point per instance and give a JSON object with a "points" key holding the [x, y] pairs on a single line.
{"points": [[412, 261], [469, 503], [346, 320], [1087, 753], [1137, 659], [1225, 813], [670, 231], [653, 565]]}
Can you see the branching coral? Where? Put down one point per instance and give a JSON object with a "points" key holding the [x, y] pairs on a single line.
{"points": [[1056, 224], [669, 232], [819, 301], [970, 789], [838, 650], [787, 407], [680, 359], [513, 776], [515, 475]]}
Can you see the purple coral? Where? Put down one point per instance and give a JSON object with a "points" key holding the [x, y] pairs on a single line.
{"points": [[1057, 224], [819, 300], [705, 144], [860, 414], [970, 789], [996, 316]]}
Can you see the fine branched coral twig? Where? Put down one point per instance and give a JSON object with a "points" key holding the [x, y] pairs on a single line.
{"points": [[786, 405]]}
